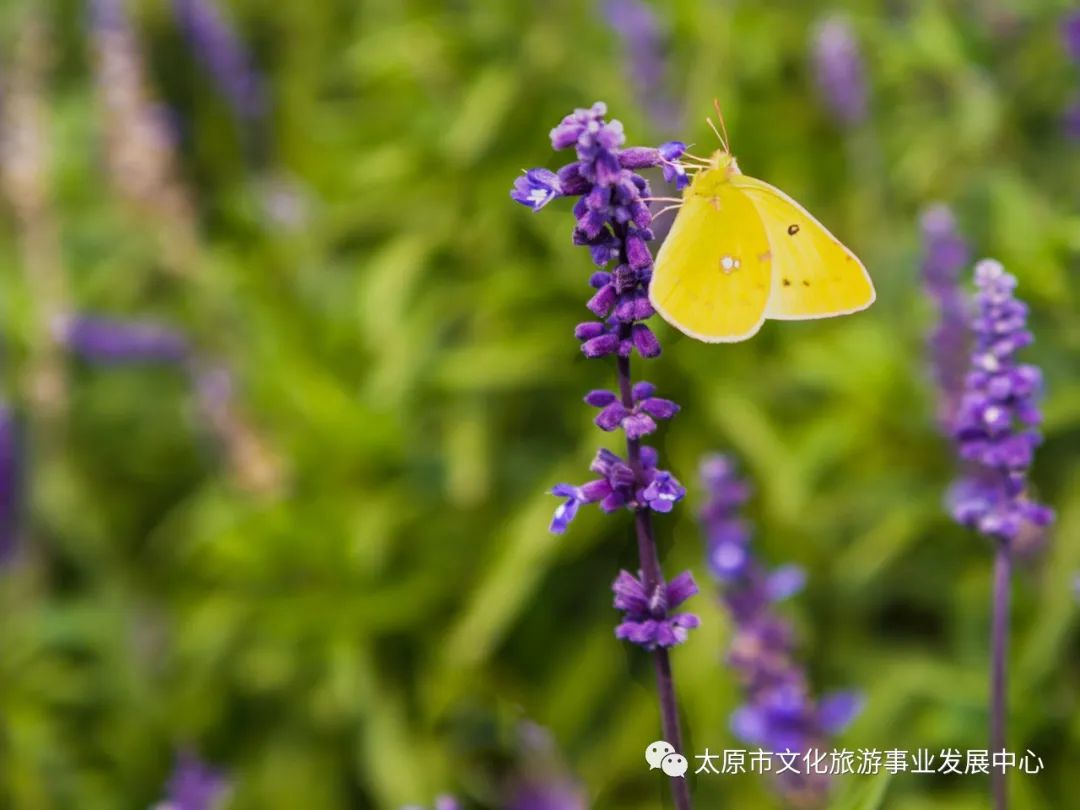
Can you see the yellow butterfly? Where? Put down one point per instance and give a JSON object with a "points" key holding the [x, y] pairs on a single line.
{"points": [[741, 251]]}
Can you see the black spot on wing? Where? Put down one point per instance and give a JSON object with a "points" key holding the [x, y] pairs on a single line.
{"points": [[792, 229]]}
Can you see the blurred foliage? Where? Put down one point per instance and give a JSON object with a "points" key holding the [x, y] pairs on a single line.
{"points": [[370, 632]]}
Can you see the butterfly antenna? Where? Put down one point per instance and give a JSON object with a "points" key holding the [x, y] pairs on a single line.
{"points": [[723, 126], [719, 137], [666, 210]]}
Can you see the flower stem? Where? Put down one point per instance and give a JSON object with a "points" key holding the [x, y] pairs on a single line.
{"points": [[653, 576], [999, 668]]}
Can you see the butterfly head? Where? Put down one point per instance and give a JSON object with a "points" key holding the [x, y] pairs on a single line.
{"points": [[724, 161]]}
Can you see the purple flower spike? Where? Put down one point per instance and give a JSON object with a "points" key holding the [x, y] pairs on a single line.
{"points": [[103, 340], [614, 222], [780, 713], [10, 480], [1070, 34], [945, 254], [840, 74], [646, 618], [536, 188], [218, 47], [996, 427], [193, 785]]}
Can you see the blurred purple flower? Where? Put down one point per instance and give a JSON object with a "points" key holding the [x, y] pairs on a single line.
{"points": [[10, 481], [647, 620], [997, 426], [779, 713], [541, 780], [139, 137], [105, 340], [840, 72], [645, 59], [945, 254], [194, 785], [1070, 34], [221, 51], [1070, 121]]}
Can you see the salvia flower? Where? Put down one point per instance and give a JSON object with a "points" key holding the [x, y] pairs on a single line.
{"points": [[839, 70], [945, 254], [618, 487], [638, 420], [779, 713], [536, 188], [997, 425], [112, 341], [647, 617], [194, 785], [218, 47]]}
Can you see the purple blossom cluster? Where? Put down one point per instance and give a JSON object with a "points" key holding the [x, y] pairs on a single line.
{"points": [[224, 56], [997, 424], [945, 254], [619, 486], [839, 70], [194, 785], [779, 713], [614, 222], [647, 617]]}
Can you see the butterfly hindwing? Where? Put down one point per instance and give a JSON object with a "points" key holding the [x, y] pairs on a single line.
{"points": [[813, 274], [711, 276]]}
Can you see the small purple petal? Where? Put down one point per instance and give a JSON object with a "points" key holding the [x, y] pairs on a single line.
{"points": [[600, 398], [600, 346], [659, 408], [645, 341], [640, 157], [611, 416]]}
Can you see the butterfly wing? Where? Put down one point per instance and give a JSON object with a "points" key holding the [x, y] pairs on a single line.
{"points": [[813, 274], [711, 276]]}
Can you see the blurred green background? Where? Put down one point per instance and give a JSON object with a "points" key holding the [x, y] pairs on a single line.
{"points": [[340, 589]]}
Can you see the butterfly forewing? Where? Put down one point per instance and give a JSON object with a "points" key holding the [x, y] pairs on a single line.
{"points": [[711, 278], [813, 274]]}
